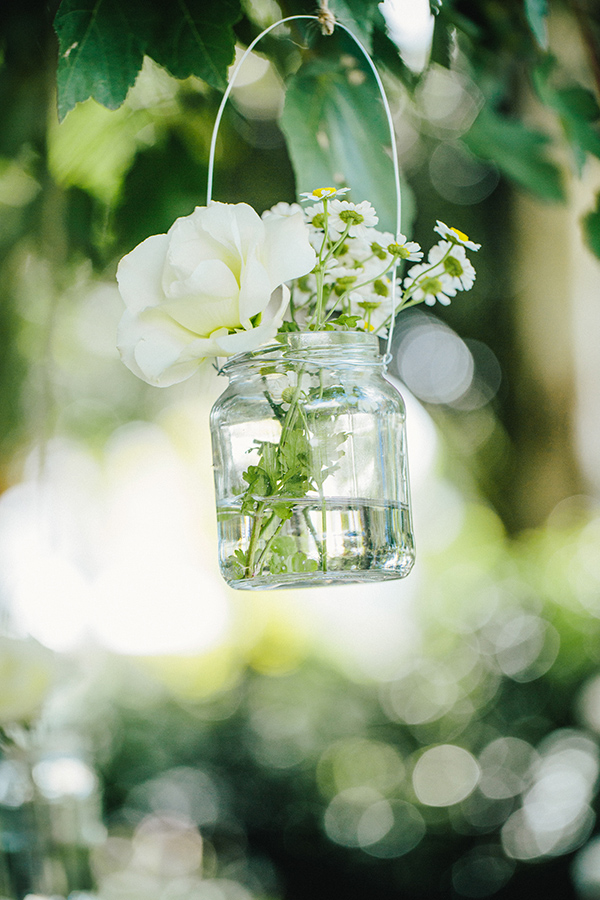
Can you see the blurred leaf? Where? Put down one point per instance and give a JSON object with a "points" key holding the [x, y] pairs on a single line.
{"points": [[101, 49], [12, 375], [518, 151], [467, 20], [94, 147], [580, 102], [577, 109], [537, 14], [591, 228], [386, 52], [196, 38], [358, 16], [337, 134], [176, 177], [582, 133], [441, 46]]}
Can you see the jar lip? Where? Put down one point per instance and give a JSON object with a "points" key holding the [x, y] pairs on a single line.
{"points": [[312, 340], [354, 345]]}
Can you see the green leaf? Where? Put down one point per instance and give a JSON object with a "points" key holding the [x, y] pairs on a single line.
{"points": [[102, 45], [443, 41], [577, 109], [537, 14], [518, 151], [284, 511], [337, 134], [194, 37], [358, 16], [100, 53], [591, 228], [302, 563], [581, 102], [346, 320]]}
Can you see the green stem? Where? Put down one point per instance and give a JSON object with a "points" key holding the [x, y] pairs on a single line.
{"points": [[323, 529], [314, 535], [292, 411], [270, 540], [258, 526], [322, 261], [322, 544], [254, 536]]}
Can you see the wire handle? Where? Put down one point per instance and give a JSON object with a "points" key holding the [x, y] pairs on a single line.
{"points": [[386, 106]]}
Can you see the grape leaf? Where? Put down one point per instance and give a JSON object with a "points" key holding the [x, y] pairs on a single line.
{"points": [[196, 38], [100, 52], [102, 44]]}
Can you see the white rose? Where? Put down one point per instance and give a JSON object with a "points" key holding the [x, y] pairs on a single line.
{"points": [[207, 288], [27, 674]]}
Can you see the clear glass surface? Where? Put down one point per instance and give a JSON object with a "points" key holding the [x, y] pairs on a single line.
{"points": [[310, 466]]}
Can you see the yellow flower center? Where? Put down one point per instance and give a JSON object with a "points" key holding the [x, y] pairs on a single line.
{"points": [[460, 234], [323, 192]]}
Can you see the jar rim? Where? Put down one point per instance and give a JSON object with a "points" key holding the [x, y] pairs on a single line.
{"points": [[355, 345]]}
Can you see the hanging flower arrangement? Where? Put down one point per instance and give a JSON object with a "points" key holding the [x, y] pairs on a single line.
{"points": [[224, 281], [309, 439]]}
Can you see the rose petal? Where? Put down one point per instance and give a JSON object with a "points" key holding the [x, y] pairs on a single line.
{"points": [[207, 300], [190, 244], [244, 341], [139, 274], [154, 347], [235, 226], [256, 287], [288, 253]]}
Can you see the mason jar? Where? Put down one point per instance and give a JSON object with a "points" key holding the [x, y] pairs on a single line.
{"points": [[310, 465]]}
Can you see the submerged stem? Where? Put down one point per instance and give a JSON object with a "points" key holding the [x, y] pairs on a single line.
{"points": [[254, 536]]}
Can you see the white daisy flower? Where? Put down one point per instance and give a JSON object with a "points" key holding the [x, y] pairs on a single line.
{"points": [[370, 247], [378, 242], [456, 266], [353, 253], [427, 286], [374, 312], [403, 249], [455, 236], [325, 192], [359, 216], [335, 271], [315, 216], [377, 291]]}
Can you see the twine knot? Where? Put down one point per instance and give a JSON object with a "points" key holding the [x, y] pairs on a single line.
{"points": [[326, 18]]}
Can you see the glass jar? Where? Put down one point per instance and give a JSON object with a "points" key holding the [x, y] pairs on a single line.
{"points": [[310, 465]]}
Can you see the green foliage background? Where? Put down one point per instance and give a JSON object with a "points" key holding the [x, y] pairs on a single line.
{"points": [[94, 157]]}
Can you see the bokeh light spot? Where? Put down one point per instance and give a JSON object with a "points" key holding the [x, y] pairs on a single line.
{"points": [[435, 363], [345, 812], [357, 762], [445, 775], [405, 831], [505, 763]]}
